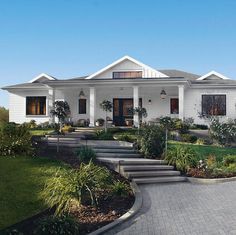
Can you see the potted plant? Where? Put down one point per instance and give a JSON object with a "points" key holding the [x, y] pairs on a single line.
{"points": [[106, 106], [100, 122]]}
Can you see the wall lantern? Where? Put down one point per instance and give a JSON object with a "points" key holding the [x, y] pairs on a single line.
{"points": [[149, 101], [163, 94], [82, 95]]}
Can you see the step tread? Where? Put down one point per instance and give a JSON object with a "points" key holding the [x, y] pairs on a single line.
{"points": [[113, 147], [118, 155], [143, 180], [114, 150], [147, 167], [152, 173]]}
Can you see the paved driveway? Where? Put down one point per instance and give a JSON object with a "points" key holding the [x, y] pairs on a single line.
{"points": [[184, 208]]}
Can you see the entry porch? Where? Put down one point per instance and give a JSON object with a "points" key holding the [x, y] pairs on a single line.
{"points": [[84, 101]]}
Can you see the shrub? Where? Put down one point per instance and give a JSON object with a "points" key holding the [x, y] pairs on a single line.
{"points": [[188, 138], [167, 122], [103, 135], [200, 126], [224, 133], [182, 157], [181, 126], [152, 141], [86, 154], [57, 226], [200, 141], [229, 159], [15, 140], [68, 129], [120, 189], [75, 187]]}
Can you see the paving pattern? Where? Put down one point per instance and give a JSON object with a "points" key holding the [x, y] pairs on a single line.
{"points": [[184, 208]]}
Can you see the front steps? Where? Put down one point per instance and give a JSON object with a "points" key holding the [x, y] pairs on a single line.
{"points": [[132, 165]]}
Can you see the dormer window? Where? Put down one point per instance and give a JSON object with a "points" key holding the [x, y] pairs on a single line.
{"points": [[128, 74]]}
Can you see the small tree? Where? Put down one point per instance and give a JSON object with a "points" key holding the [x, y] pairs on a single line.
{"points": [[167, 123], [141, 112], [61, 111], [106, 106]]}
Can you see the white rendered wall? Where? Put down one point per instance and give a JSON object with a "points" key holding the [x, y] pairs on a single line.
{"points": [[193, 101], [17, 106]]}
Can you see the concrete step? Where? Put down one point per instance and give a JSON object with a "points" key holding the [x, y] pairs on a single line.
{"points": [[137, 174], [150, 180], [146, 167], [141, 161], [105, 150], [110, 147], [119, 155]]}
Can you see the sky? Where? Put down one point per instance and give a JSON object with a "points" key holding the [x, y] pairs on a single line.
{"points": [[70, 38]]}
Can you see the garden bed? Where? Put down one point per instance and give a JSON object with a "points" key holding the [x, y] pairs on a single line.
{"points": [[90, 218]]}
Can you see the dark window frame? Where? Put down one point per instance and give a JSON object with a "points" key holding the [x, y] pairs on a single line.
{"points": [[216, 110], [172, 111], [82, 109], [114, 74], [40, 105]]}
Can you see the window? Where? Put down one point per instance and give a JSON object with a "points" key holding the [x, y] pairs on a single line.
{"points": [[174, 105], [82, 106], [36, 105], [214, 105], [130, 74]]}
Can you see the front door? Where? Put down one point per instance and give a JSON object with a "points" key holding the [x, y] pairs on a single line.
{"points": [[122, 116]]}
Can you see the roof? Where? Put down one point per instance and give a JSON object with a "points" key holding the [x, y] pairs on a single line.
{"points": [[124, 58], [26, 85], [213, 73], [179, 73]]}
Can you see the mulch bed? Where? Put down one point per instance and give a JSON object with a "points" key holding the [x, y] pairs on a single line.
{"points": [[89, 217]]}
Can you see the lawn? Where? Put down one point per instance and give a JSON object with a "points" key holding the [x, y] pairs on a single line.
{"points": [[204, 151], [21, 180], [41, 132]]}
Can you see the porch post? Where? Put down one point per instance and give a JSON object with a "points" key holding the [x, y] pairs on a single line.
{"points": [[51, 100], [136, 104], [92, 106], [181, 102]]}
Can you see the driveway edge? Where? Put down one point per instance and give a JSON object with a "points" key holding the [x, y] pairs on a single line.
{"points": [[134, 209], [210, 181]]}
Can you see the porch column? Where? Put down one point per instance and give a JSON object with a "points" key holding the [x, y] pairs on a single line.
{"points": [[51, 100], [181, 102], [92, 106], [136, 104]]}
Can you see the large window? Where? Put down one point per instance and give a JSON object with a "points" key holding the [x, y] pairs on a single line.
{"points": [[214, 105], [174, 105], [82, 106], [128, 74], [36, 105]]}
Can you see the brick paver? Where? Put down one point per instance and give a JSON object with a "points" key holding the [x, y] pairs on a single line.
{"points": [[184, 208]]}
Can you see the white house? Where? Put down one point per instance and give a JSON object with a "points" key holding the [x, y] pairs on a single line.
{"points": [[127, 83]]}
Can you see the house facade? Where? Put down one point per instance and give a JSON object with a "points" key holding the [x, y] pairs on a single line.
{"points": [[126, 83]]}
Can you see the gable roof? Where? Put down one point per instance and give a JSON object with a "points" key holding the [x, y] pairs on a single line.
{"points": [[213, 73], [121, 60], [179, 73], [42, 75]]}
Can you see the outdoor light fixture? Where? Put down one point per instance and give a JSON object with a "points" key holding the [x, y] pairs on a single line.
{"points": [[149, 101], [163, 94], [82, 95]]}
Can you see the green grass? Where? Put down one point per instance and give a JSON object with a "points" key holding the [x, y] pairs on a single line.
{"points": [[21, 180], [204, 151], [41, 132]]}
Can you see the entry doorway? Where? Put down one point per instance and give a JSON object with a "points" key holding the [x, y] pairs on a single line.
{"points": [[122, 115]]}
